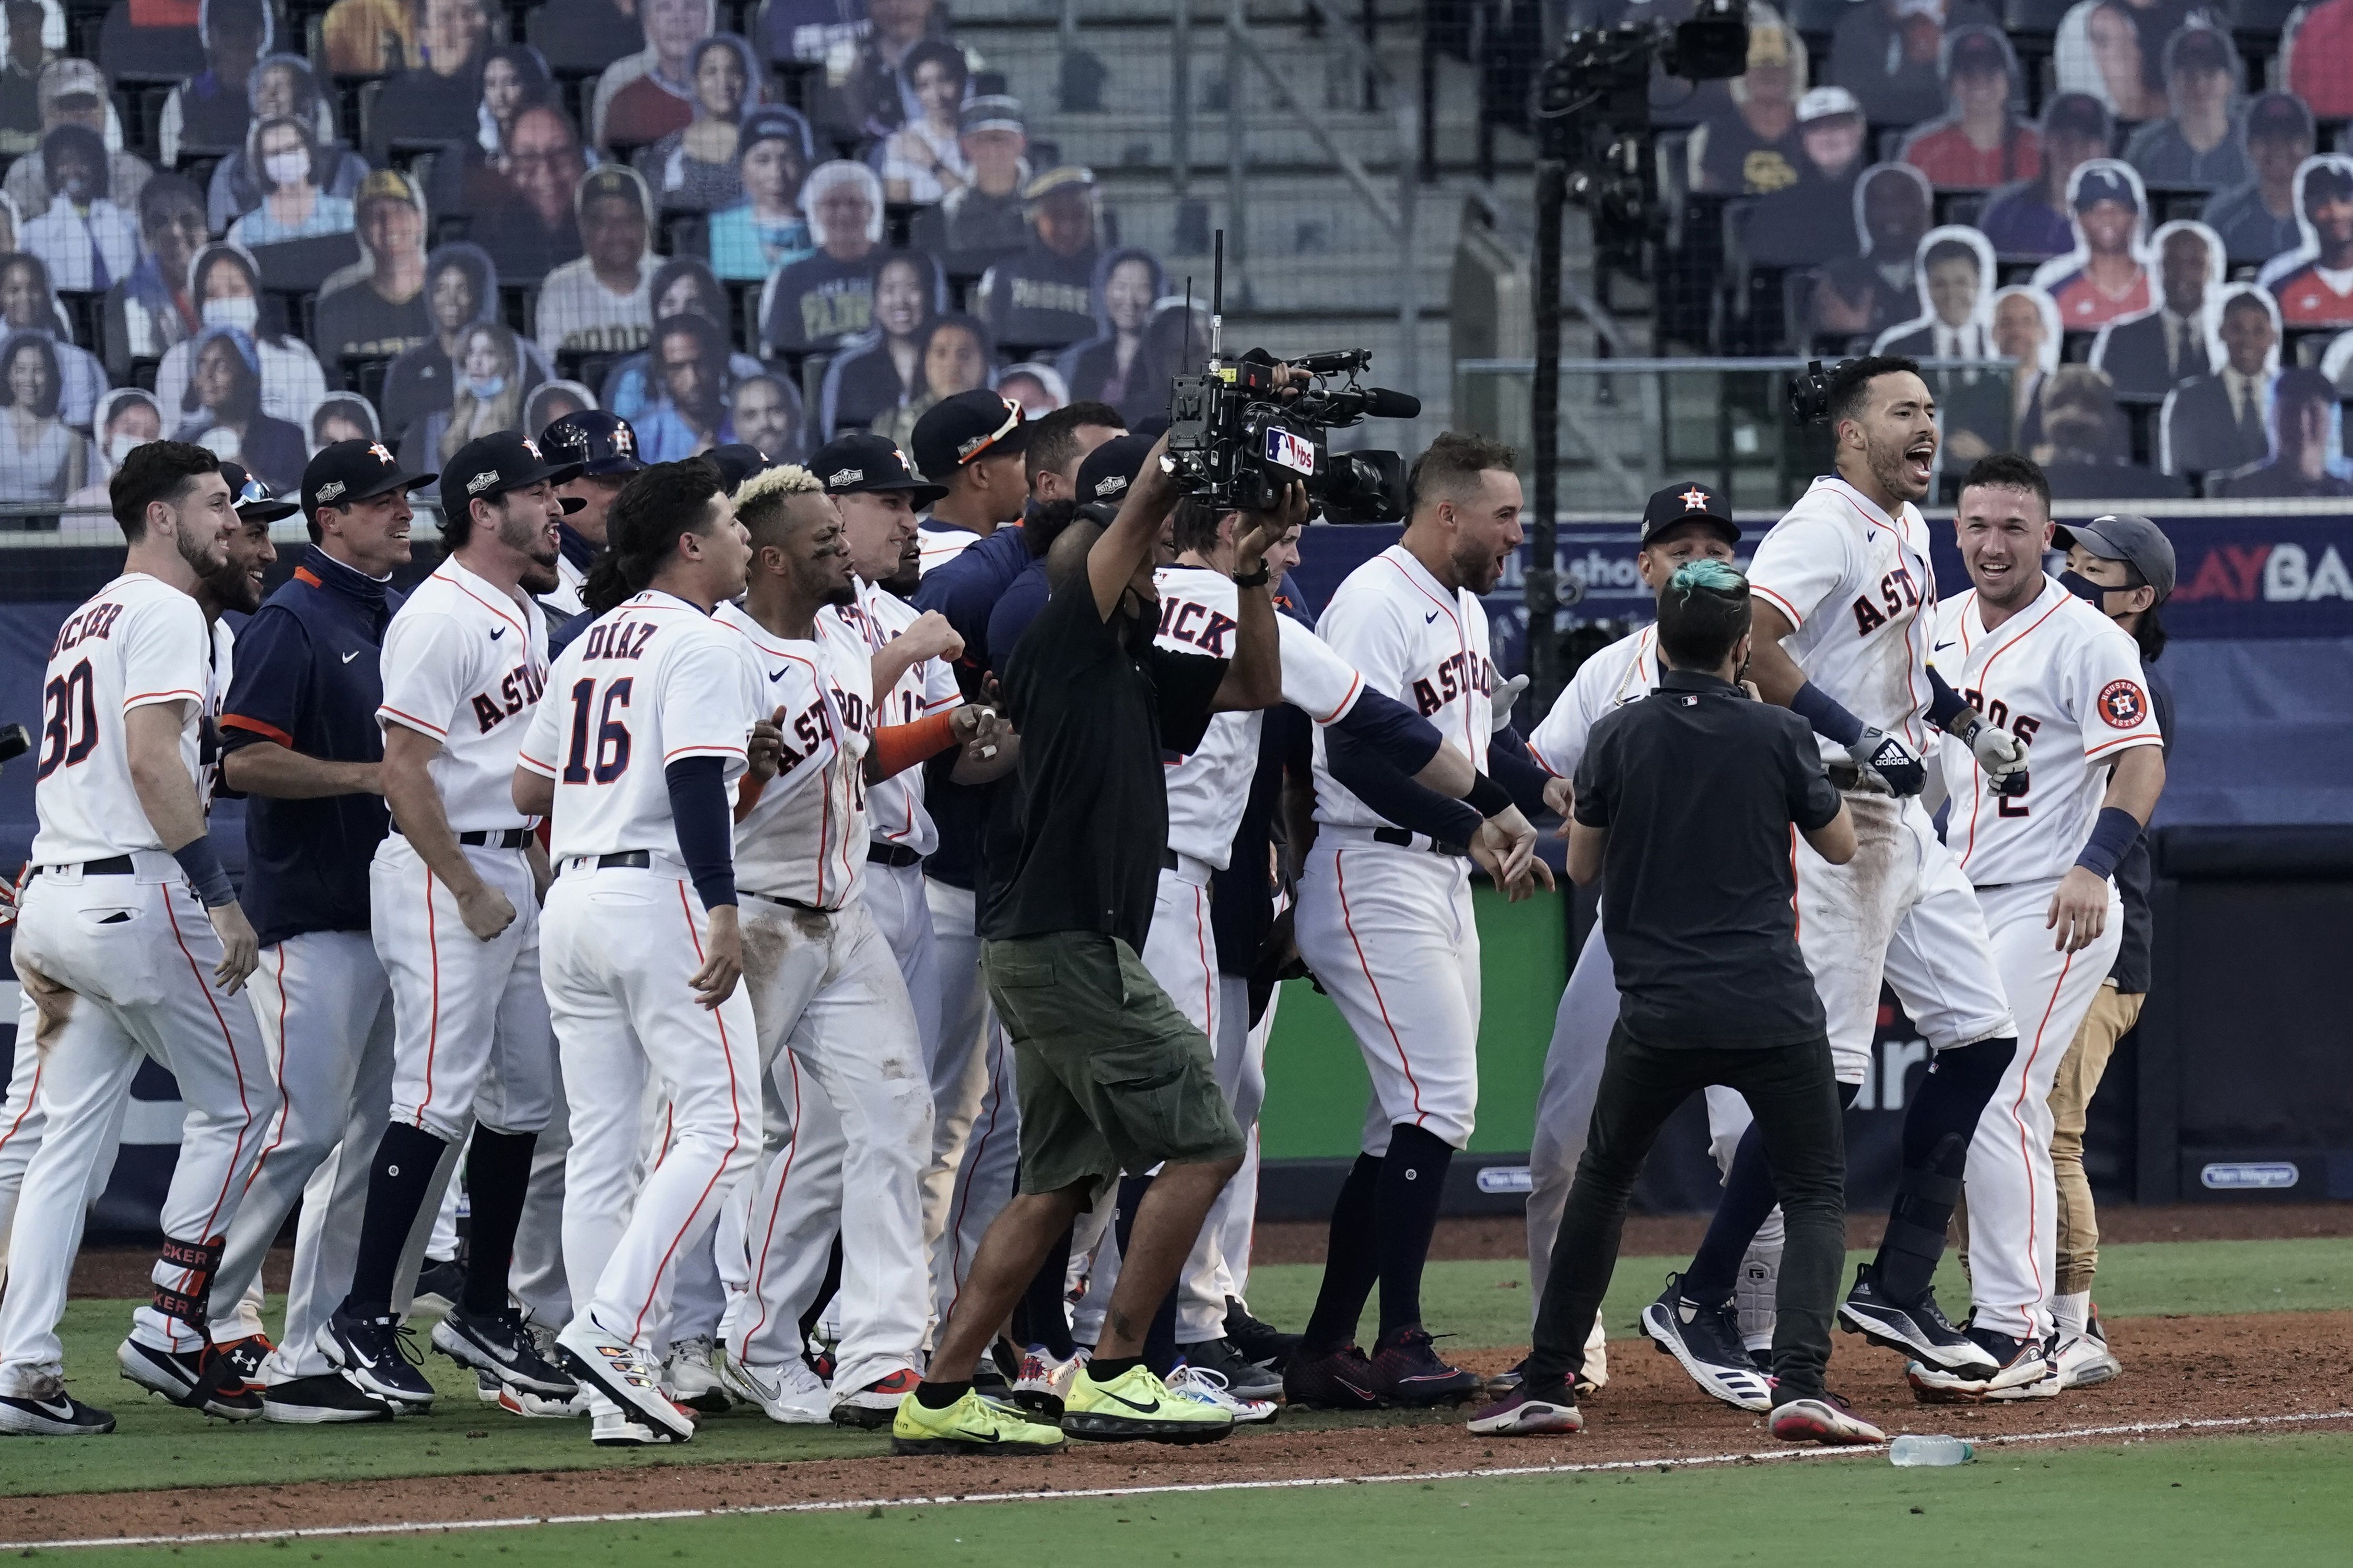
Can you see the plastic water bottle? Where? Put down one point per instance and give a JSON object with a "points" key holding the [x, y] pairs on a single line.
{"points": [[1909, 1451]]}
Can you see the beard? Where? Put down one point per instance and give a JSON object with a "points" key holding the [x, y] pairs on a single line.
{"points": [[203, 556], [531, 538], [234, 587]]}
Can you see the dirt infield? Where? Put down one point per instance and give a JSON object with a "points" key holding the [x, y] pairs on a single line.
{"points": [[2179, 1369]]}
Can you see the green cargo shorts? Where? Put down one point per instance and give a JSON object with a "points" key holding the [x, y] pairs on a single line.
{"points": [[1109, 1075]]}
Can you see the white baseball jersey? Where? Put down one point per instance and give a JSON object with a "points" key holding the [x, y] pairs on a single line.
{"points": [[563, 601], [1208, 785], [894, 806], [1422, 644], [650, 681], [2065, 679], [937, 544], [137, 642], [1626, 671], [464, 662], [1858, 586], [805, 838]]}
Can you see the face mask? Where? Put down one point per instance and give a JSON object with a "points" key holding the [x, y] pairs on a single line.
{"points": [[2083, 588], [236, 310], [287, 168], [121, 448], [486, 389]]}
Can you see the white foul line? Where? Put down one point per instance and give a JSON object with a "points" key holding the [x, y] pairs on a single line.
{"points": [[416, 1527]]}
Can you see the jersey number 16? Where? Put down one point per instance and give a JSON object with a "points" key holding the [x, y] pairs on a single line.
{"points": [[612, 734]]}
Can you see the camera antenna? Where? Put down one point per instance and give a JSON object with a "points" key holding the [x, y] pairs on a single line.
{"points": [[1188, 311], [1218, 300]]}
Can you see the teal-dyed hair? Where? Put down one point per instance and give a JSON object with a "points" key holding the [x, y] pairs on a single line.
{"points": [[1714, 575], [1703, 615]]}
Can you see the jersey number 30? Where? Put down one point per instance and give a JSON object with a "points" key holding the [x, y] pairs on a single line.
{"points": [[612, 735], [69, 721]]}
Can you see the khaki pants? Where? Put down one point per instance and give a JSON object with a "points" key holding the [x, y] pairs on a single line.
{"points": [[2113, 1014]]}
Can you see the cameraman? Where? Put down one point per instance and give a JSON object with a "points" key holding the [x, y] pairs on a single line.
{"points": [[1687, 799]]}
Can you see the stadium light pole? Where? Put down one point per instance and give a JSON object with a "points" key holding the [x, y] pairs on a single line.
{"points": [[1542, 583]]}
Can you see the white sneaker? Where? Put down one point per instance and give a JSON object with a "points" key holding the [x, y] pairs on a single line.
{"points": [[1204, 1386], [2086, 1359], [691, 1377], [619, 1370], [615, 1428], [1045, 1382], [789, 1393]]}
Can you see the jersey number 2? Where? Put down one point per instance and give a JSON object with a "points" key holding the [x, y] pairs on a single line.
{"points": [[70, 727], [612, 734]]}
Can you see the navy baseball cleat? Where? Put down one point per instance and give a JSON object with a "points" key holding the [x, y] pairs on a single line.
{"points": [[1915, 1329], [1407, 1371], [1339, 1379], [1527, 1412], [1705, 1341]]}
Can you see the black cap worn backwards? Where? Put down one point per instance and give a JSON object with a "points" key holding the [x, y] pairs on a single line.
{"points": [[862, 462], [600, 441], [966, 428], [1678, 504], [502, 460], [252, 498], [348, 471]]}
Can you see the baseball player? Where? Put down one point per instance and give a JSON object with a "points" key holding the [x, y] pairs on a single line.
{"points": [[605, 446], [1385, 917], [837, 1033], [2125, 565], [111, 945], [2053, 670], [1681, 523], [630, 760], [1844, 593], [454, 911], [1197, 609], [300, 739], [975, 454]]}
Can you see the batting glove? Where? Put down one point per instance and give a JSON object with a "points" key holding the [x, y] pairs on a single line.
{"points": [[1892, 762], [2002, 754], [1505, 695]]}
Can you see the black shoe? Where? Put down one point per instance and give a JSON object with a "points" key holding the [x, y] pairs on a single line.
{"points": [[328, 1398], [1917, 1329], [1705, 1341], [1260, 1343], [440, 1286], [378, 1354], [500, 1343], [1332, 1380], [1244, 1379], [246, 1355], [990, 1383], [1407, 1371], [196, 1379], [57, 1415]]}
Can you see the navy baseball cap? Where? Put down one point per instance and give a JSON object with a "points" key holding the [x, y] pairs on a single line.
{"points": [[2104, 184], [965, 429], [500, 461], [600, 441], [347, 472], [737, 462], [2127, 537], [252, 498], [1105, 473], [862, 462], [1679, 504]]}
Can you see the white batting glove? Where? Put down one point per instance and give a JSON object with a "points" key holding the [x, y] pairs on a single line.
{"points": [[1505, 695], [1998, 752]]}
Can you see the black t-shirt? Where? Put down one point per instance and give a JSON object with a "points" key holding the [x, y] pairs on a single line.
{"points": [[356, 319], [2130, 971], [1040, 299], [1699, 787], [1095, 703], [820, 302]]}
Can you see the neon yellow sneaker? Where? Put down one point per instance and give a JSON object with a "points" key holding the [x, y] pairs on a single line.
{"points": [[971, 1425], [1137, 1404]]}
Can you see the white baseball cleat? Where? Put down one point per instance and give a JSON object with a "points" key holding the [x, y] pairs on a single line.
{"points": [[1206, 1385], [2086, 1359], [1045, 1382], [620, 1371], [789, 1393], [2023, 1368], [691, 1376]]}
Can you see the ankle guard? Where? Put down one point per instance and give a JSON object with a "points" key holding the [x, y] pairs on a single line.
{"points": [[1919, 1218], [202, 1260]]}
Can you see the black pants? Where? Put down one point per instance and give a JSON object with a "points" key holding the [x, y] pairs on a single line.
{"points": [[1794, 1097]]}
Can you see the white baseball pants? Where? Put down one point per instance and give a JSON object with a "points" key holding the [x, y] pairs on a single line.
{"points": [[324, 1007], [139, 954], [621, 945], [2013, 1197], [471, 1017], [896, 896], [1389, 933], [845, 1063]]}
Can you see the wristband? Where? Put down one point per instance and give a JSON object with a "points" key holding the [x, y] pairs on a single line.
{"points": [[1825, 713], [1487, 798], [2112, 835], [1257, 578], [206, 877]]}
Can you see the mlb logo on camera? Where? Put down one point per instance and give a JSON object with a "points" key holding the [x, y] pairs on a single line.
{"points": [[1290, 451]]}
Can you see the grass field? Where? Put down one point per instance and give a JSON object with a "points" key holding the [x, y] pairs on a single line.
{"points": [[1483, 1304]]}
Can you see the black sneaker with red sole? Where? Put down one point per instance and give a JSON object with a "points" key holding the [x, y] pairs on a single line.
{"points": [[1340, 1379], [1407, 1370]]}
